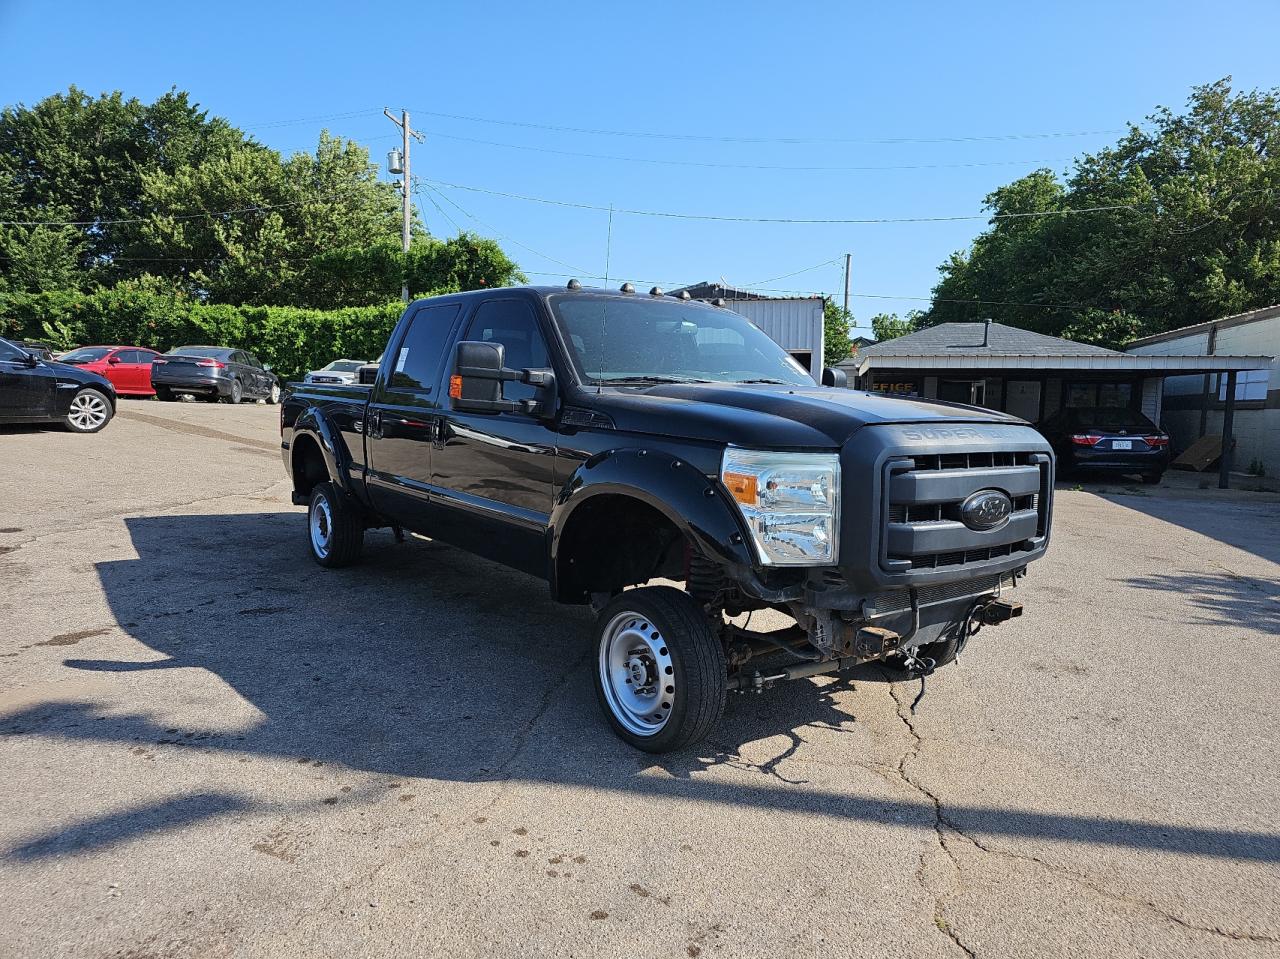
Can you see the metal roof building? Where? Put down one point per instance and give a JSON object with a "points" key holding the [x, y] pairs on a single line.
{"points": [[1029, 374], [794, 323], [1195, 406]]}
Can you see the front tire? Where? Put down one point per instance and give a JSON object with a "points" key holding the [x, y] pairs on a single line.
{"points": [[660, 674], [90, 411], [273, 397], [335, 528]]}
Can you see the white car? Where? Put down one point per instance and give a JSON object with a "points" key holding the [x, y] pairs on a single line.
{"points": [[339, 371]]}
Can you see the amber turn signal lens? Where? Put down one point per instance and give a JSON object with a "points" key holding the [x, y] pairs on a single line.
{"points": [[742, 487], [455, 387]]}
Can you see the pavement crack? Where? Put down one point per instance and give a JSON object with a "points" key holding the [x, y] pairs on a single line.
{"points": [[940, 828], [549, 696], [944, 825]]}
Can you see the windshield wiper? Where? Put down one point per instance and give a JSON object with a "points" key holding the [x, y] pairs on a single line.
{"points": [[765, 380], [648, 380]]}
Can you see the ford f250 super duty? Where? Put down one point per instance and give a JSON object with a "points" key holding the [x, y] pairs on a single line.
{"points": [[602, 440]]}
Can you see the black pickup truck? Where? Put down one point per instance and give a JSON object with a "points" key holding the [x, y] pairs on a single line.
{"points": [[603, 440]]}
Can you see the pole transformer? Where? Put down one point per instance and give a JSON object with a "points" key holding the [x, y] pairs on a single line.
{"points": [[405, 186]]}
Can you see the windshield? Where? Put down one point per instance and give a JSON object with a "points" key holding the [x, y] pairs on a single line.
{"points": [[344, 366], [216, 352], [88, 354], [669, 341], [1110, 418]]}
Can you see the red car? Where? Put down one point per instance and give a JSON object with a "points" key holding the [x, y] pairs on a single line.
{"points": [[127, 367]]}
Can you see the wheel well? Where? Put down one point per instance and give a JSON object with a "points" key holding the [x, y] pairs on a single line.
{"points": [[612, 541], [309, 467]]}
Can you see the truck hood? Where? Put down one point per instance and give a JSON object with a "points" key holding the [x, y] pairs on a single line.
{"points": [[761, 415]]}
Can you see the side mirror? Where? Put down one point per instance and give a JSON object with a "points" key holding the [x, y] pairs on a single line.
{"points": [[478, 374], [113, 360], [267, 367], [834, 377], [31, 360]]}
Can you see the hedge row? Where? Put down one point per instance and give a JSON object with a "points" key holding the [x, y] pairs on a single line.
{"points": [[289, 339]]}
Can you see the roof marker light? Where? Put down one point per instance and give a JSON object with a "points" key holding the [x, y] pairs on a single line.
{"points": [[574, 285], [627, 288]]}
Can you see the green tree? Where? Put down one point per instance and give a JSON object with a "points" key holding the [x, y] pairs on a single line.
{"points": [[81, 158], [1190, 229], [116, 190], [836, 343], [888, 326]]}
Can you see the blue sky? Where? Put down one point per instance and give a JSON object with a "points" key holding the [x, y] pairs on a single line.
{"points": [[947, 78]]}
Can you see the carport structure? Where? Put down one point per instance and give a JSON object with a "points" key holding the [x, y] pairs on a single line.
{"points": [[1032, 375]]}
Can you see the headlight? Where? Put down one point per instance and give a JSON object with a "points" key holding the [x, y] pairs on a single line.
{"points": [[791, 502]]}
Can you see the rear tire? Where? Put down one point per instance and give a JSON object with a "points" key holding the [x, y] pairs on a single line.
{"points": [[164, 394], [660, 674], [335, 527], [237, 392], [1152, 479], [89, 411]]}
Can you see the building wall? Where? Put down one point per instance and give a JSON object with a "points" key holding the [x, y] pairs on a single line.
{"points": [[1152, 390], [795, 325], [1257, 431]]}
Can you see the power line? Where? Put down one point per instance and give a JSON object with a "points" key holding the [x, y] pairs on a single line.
{"points": [[419, 193], [747, 166], [266, 124], [185, 216], [807, 269], [794, 220], [498, 233], [732, 139]]}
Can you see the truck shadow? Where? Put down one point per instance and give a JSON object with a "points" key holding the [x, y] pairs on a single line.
{"points": [[431, 663]]}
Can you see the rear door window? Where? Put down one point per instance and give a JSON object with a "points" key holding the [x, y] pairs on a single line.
{"points": [[420, 354]]}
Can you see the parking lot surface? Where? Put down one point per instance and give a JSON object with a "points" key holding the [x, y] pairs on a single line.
{"points": [[212, 747]]}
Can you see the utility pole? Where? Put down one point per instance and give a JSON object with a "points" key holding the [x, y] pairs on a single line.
{"points": [[848, 257], [407, 213]]}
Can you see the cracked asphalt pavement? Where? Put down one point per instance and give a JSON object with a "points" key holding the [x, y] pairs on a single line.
{"points": [[212, 747]]}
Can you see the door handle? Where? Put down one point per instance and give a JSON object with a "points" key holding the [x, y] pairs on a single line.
{"points": [[408, 422]]}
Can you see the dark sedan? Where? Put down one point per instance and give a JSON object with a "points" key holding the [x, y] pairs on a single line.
{"points": [[213, 373], [33, 390], [1107, 439]]}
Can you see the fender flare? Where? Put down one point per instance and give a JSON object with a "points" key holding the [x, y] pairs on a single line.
{"points": [[337, 458], [695, 505]]}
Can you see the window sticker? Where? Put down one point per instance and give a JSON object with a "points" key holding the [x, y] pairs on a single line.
{"points": [[403, 358]]}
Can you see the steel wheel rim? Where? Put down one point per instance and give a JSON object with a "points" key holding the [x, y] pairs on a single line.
{"points": [[88, 411], [637, 674], [321, 526]]}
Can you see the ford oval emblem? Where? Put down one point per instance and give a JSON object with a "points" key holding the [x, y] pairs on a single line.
{"points": [[986, 509]]}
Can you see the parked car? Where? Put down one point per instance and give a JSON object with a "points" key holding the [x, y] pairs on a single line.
{"points": [[213, 373], [602, 440], [1107, 439], [339, 371], [127, 367], [41, 351], [33, 390]]}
